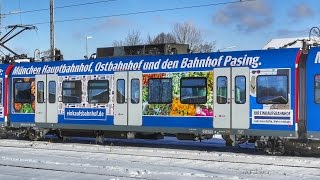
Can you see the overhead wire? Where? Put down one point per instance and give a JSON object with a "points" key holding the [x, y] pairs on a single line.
{"points": [[60, 7], [144, 12]]}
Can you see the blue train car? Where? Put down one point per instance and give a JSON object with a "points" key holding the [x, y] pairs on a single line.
{"points": [[242, 92], [4, 71], [311, 116]]}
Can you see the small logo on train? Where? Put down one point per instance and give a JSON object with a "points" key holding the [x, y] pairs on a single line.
{"points": [[317, 60]]}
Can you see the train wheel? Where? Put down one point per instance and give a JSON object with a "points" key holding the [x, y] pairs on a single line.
{"points": [[100, 139], [3, 133], [34, 135]]}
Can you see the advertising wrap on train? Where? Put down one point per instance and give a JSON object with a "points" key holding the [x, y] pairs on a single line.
{"points": [[163, 63]]}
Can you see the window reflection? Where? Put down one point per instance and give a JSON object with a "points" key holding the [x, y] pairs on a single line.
{"points": [[52, 91], [22, 92], [71, 91], [121, 91], [160, 91], [240, 90], [193, 90], [40, 92], [135, 91], [272, 89], [222, 90], [98, 91]]}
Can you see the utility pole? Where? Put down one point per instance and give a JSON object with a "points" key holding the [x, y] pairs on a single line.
{"points": [[52, 48]]}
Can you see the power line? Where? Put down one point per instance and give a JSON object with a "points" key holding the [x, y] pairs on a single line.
{"points": [[145, 12], [60, 7]]}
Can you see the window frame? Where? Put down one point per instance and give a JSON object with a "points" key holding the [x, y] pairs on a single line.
{"points": [[88, 88], [206, 89], [287, 88], [80, 95], [14, 93], [245, 89], [171, 94], [314, 91]]}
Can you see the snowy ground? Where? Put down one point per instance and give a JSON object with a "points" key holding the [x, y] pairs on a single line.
{"points": [[167, 159]]}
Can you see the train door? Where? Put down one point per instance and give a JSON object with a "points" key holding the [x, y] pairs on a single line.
{"points": [[231, 99], [46, 109], [128, 98]]}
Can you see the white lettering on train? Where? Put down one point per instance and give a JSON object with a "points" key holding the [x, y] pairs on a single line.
{"points": [[221, 61], [120, 66], [317, 60], [184, 62]]}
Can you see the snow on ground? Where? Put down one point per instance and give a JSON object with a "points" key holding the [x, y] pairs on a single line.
{"points": [[149, 160]]}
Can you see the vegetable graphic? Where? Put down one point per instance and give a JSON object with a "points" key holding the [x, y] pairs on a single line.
{"points": [[26, 108]]}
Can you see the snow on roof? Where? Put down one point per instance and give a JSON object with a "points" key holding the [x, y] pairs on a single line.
{"points": [[278, 43]]}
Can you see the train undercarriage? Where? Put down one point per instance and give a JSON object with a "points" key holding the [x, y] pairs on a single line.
{"points": [[265, 144]]}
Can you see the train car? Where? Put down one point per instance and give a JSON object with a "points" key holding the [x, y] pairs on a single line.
{"points": [[249, 93], [4, 70], [310, 96]]}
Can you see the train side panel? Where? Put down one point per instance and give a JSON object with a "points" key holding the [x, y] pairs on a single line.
{"points": [[176, 93]]}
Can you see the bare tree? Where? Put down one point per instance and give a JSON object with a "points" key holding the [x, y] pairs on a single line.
{"points": [[161, 39], [187, 33], [183, 33], [133, 38], [118, 43], [205, 47]]}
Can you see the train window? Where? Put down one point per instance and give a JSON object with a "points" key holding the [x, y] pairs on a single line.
{"points": [[240, 90], [193, 90], [71, 91], [135, 91], [22, 92], [98, 91], [272, 89], [160, 90], [222, 90], [40, 92], [52, 92], [121, 93], [317, 89]]}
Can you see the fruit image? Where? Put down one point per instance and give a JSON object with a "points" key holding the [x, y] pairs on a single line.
{"points": [[33, 88], [17, 106], [26, 79], [33, 105]]}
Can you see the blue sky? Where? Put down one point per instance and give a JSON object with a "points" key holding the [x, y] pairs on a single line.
{"points": [[246, 25]]}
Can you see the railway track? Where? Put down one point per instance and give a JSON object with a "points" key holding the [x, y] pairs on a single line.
{"points": [[161, 154], [70, 171]]}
